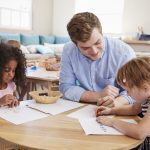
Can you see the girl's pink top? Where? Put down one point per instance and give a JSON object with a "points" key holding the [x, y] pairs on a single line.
{"points": [[11, 87]]}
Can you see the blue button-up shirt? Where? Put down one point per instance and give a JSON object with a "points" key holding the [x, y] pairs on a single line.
{"points": [[79, 73]]}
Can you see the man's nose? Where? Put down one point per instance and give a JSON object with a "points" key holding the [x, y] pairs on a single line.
{"points": [[94, 49]]}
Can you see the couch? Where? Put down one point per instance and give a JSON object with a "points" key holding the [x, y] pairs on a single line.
{"points": [[37, 47]]}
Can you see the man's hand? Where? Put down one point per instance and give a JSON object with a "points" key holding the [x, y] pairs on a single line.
{"points": [[102, 110], [106, 101], [109, 91]]}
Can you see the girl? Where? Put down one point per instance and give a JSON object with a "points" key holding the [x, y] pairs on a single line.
{"points": [[12, 74], [134, 77]]}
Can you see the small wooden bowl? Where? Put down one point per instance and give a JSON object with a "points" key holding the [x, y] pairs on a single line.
{"points": [[52, 97]]}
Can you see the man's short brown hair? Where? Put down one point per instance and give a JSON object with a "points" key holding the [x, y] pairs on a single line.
{"points": [[81, 26]]}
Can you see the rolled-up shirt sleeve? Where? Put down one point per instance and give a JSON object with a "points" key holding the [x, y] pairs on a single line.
{"points": [[74, 93]]}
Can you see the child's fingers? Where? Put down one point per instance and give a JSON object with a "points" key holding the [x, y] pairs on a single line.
{"points": [[9, 100], [99, 111], [16, 103], [12, 101]]}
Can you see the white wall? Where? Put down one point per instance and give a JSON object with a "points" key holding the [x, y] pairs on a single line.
{"points": [[42, 18], [136, 13], [63, 10]]}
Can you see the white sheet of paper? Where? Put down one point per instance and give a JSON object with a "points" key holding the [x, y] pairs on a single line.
{"points": [[91, 126], [21, 114], [60, 106], [86, 112]]}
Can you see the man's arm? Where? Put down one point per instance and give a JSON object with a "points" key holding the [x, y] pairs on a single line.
{"points": [[68, 85], [89, 96], [108, 91]]}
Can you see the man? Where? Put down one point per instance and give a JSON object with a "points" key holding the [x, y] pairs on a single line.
{"points": [[90, 62]]}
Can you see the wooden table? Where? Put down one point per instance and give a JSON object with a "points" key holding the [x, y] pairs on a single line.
{"points": [[142, 48], [39, 76], [60, 132]]}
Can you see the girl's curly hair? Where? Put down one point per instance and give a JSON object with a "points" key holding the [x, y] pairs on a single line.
{"points": [[8, 53]]}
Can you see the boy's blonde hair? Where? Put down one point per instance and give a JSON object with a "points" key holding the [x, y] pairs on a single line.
{"points": [[135, 72]]}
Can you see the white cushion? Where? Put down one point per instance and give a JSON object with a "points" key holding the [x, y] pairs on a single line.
{"points": [[32, 49], [44, 50], [57, 48], [24, 49]]}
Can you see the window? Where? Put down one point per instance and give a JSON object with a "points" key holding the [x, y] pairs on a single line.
{"points": [[16, 14], [110, 13]]}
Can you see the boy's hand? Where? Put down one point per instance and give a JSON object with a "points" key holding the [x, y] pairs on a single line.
{"points": [[105, 120], [106, 101], [102, 110]]}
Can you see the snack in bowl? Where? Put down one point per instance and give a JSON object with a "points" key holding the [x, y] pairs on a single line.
{"points": [[45, 97], [51, 64], [52, 67]]}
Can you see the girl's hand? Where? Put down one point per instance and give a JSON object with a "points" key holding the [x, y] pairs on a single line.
{"points": [[6, 100], [105, 120], [102, 110], [9, 100], [14, 103]]}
